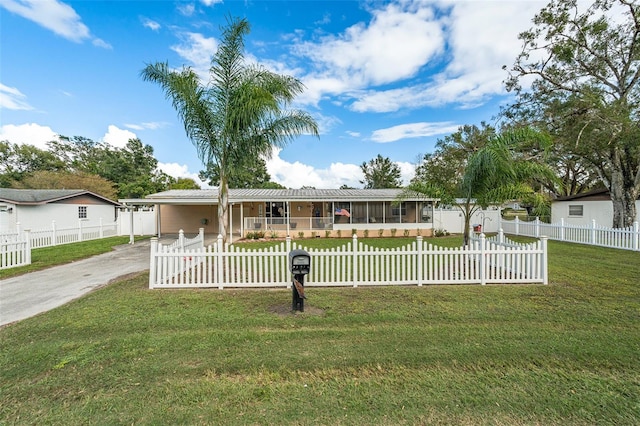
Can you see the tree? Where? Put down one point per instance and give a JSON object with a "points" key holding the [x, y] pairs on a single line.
{"points": [[183, 183], [381, 173], [239, 113], [586, 91], [495, 170], [246, 173], [133, 169], [44, 179], [18, 161]]}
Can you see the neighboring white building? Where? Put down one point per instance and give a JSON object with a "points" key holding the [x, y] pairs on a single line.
{"points": [[583, 209], [36, 209]]}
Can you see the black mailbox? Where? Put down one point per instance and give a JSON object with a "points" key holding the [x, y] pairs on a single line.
{"points": [[299, 262], [299, 265]]}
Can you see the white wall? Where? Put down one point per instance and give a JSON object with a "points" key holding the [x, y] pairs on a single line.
{"points": [[600, 211], [40, 217], [453, 220], [144, 223]]}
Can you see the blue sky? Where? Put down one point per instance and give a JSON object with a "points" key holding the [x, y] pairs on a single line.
{"points": [[383, 77]]}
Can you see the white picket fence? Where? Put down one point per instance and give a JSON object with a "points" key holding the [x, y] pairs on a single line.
{"points": [[54, 236], [594, 234], [15, 247], [353, 264], [15, 250]]}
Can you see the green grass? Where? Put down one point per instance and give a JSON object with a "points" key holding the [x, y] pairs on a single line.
{"points": [[47, 257], [566, 353]]}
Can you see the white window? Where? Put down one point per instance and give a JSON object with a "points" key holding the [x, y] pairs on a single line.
{"points": [[82, 212], [576, 210]]}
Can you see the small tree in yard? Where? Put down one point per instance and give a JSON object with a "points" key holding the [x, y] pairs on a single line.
{"points": [[495, 173]]}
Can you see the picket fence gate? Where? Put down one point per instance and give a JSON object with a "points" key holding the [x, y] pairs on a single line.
{"points": [[593, 234], [15, 250], [354, 264]]}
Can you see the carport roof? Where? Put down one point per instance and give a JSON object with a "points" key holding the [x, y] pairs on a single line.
{"points": [[207, 196]]}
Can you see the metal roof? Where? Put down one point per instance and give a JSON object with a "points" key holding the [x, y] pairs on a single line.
{"points": [[202, 196], [44, 196]]}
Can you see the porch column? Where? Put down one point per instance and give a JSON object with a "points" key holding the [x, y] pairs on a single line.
{"points": [[241, 220]]}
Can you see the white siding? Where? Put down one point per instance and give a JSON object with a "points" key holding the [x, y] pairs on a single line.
{"points": [[600, 211]]}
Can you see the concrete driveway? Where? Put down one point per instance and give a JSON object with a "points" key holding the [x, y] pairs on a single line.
{"points": [[30, 294]]}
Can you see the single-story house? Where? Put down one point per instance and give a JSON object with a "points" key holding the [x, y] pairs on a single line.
{"points": [[292, 211], [583, 209], [37, 209]]}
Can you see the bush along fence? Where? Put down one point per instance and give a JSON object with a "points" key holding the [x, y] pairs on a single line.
{"points": [[15, 250], [354, 264], [593, 234]]}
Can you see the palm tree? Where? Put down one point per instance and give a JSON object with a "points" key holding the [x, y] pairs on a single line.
{"points": [[241, 112], [494, 174]]}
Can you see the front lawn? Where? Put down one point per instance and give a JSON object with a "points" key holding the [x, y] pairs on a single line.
{"points": [[566, 353]]}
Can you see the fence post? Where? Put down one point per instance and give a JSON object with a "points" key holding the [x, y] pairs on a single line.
{"points": [[545, 260], [54, 233], [27, 236], [636, 236], [219, 262], [501, 236], [593, 232], [537, 222], [419, 260], [483, 260], [181, 239], [201, 235], [517, 221], [153, 262], [79, 229], [354, 263], [101, 234]]}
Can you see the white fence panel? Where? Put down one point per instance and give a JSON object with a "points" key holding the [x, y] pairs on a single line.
{"points": [[15, 250], [594, 234], [353, 264]]}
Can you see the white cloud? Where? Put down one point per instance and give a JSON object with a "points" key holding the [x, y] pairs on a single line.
{"points": [[413, 130], [152, 125], [197, 50], [407, 171], [28, 133], [12, 98], [404, 37], [117, 137], [181, 171], [296, 175], [397, 42], [56, 16], [186, 9], [151, 24], [211, 2], [101, 43]]}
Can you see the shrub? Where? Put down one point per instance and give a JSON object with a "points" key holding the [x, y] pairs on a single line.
{"points": [[405, 233], [300, 234], [393, 232], [339, 232], [327, 233], [274, 234], [440, 232], [380, 232], [366, 233], [354, 232]]}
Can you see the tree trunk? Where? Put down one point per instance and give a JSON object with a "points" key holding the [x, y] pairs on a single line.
{"points": [[624, 193], [223, 208]]}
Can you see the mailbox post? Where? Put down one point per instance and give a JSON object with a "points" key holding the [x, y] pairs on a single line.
{"points": [[299, 264]]}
